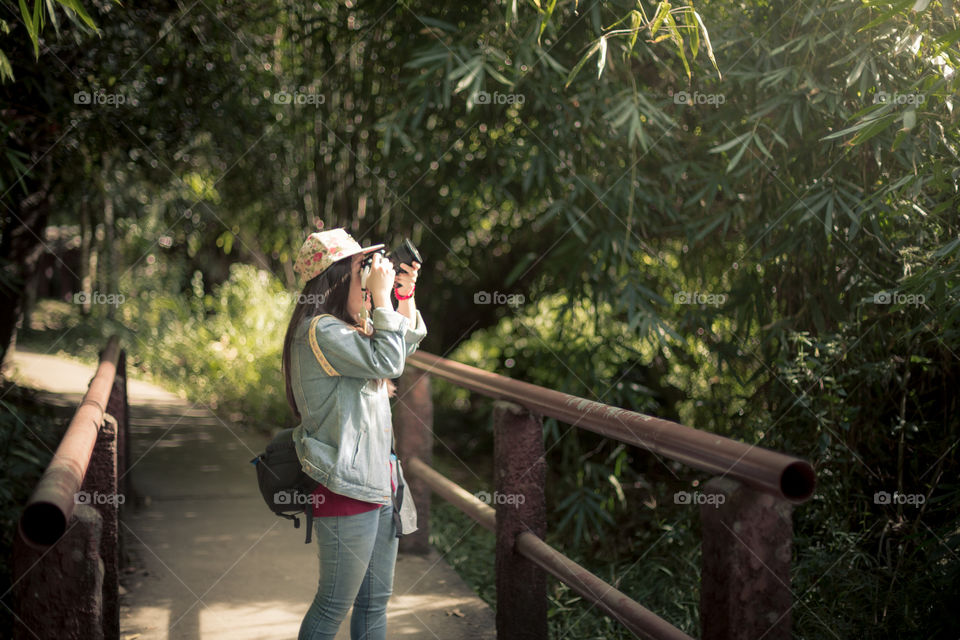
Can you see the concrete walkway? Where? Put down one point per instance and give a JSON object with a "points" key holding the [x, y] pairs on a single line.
{"points": [[206, 559]]}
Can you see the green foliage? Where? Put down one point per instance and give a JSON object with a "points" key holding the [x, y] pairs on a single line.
{"points": [[465, 546], [890, 560], [664, 15], [808, 193], [35, 19], [222, 348]]}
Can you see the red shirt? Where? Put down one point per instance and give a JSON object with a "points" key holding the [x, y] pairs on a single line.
{"points": [[335, 504]]}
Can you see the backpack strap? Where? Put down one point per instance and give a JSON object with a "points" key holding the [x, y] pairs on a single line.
{"points": [[318, 353], [330, 371], [308, 511]]}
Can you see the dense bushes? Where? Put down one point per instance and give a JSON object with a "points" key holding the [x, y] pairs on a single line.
{"points": [[220, 348]]}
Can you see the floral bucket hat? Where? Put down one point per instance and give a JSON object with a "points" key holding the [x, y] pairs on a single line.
{"points": [[322, 248]]}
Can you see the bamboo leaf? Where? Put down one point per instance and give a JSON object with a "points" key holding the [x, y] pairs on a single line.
{"points": [[511, 17], [31, 28], [663, 9], [909, 119], [875, 128], [885, 16], [475, 67], [859, 126], [53, 16], [730, 144], [636, 22], [828, 219], [945, 41], [678, 40], [6, 71], [706, 43], [763, 149], [603, 56], [694, 31], [545, 18], [583, 61], [856, 71], [497, 75], [439, 24], [736, 158]]}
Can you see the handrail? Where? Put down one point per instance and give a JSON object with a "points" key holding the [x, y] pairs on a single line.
{"points": [[453, 493], [614, 602], [768, 471], [68, 546], [50, 508]]}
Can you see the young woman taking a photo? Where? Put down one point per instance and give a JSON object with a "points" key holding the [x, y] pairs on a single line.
{"points": [[337, 367]]}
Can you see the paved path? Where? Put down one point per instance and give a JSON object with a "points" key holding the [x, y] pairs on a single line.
{"points": [[205, 559]]}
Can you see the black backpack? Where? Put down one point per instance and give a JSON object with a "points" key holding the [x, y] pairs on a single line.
{"points": [[285, 487]]}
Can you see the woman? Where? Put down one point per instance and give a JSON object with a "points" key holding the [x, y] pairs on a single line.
{"points": [[337, 383]]}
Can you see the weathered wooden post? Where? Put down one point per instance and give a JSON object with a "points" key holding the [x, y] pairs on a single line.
{"points": [[745, 577], [519, 476], [99, 490], [59, 590], [118, 407], [413, 424]]}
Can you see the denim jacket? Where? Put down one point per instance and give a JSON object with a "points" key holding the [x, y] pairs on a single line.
{"points": [[345, 434]]}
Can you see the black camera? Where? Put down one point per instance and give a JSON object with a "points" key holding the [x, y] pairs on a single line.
{"points": [[406, 253]]}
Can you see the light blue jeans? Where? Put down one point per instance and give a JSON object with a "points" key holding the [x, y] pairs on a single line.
{"points": [[357, 557]]}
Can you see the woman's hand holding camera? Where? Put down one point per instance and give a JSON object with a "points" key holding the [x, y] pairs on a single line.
{"points": [[380, 280], [407, 279]]}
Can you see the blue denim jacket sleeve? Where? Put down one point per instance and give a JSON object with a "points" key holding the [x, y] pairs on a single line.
{"points": [[354, 355], [415, 333]]}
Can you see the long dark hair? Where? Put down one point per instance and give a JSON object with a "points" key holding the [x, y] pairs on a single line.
{"points": [[326, 293]]}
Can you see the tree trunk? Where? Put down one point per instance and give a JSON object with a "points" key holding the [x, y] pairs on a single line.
{"points": [[87, 261], [110, 262], [21, 246]]}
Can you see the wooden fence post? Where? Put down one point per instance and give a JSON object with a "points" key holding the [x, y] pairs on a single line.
{"points": [[119, 408], [413, 424], [99, 490], [519, 476], [59, 591], [745, 576]]}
